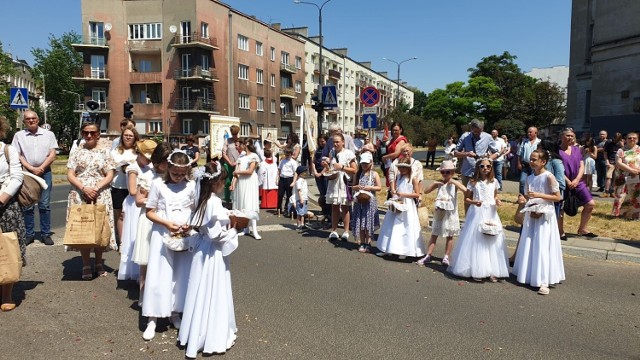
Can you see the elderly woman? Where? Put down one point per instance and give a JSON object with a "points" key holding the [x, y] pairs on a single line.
{"points": [[628, 161], [11, 218], [123, 155], [90, 172], [573, 174]]}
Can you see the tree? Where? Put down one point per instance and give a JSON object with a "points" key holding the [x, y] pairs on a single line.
{"points": [[419, 102], [7, 69], [58, 64], [550, 105], [511, 128]]}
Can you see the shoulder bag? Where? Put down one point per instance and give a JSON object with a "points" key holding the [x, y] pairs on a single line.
{"points": [[30, 190]]}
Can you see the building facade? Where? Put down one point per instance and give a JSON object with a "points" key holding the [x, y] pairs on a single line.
{"points": [[603, 88], [179, 62]]}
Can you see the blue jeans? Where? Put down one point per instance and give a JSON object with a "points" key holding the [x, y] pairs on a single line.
{"points": [[497, 170], [322, 183], [43, 208], [526, 171]]}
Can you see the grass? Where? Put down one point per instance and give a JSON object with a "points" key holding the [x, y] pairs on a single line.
{"points": [[601, 223]]}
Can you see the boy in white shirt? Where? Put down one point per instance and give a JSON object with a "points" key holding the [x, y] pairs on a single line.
{"points": [[286, 171], [301, 195]]}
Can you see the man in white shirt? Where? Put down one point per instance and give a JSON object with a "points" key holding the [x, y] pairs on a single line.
{"points": [[527, 146], [501, 148]]}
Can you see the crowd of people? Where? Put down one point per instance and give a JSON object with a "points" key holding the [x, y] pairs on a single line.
{"points": [[175, 224]]}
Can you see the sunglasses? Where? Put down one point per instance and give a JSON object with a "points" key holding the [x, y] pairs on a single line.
{"points": [[446, 172], [87, 133], [482, 166]]}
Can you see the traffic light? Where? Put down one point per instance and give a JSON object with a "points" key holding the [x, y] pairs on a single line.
{"points": [[128, 110], [318, 105]]}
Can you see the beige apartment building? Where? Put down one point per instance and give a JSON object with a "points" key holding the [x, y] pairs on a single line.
{"points": [[180, 61], [604, 66]]}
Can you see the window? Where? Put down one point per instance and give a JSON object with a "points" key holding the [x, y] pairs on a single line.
{"points": [[186, 126], [96, 33], [272, 80], [259, 76], [298, 86], [260, 103], [243, 42], [205, 126], [273, 106], [145, 66], [204, 30], [243, 101], [284, 57], [298, 62], [185, 32], [298, 110], [151, 31], [155, 127], [245, 130], [204, 61], [258, 48], [243, 72], [97, 67], [272, 55]]}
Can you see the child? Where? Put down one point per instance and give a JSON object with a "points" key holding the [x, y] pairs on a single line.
{"points": [[140, 254], [169, 206], [301, 196], [400, 232], [209, 323], [539, 253], [141, 171], [267, 177], [445, 217], [365, 213], [245, 183], [477, 254], [286, 170]]}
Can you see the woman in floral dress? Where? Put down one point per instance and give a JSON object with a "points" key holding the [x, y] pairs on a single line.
{"points": [[90, 171], [628, 161]]}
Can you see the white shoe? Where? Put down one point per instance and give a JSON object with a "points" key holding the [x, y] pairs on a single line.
{"points": [[345, 236], [544, 290], [333, 235], [150, 331], [381, 254], [257, 236], [176, 321], [402, 257]]}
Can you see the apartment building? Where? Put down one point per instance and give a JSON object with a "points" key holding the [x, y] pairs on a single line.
{"points": [[350, 78], [180, 62], [604, 68]]}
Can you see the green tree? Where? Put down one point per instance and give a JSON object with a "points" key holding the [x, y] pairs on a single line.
{"points": [[549, 106], [7, 69], [419, 102], [59, 63], [511, 128]]}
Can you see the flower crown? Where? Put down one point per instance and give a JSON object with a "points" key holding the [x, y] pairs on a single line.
{"points": [[201, 172], [178, 151]]}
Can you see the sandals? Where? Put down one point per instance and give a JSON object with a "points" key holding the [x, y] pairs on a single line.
{"points": [[589, 235], [362, 248], [425, 260], [87, 274], [100, 270], [7, 307]]}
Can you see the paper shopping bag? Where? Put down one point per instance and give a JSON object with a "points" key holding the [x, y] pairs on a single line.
{"points": [[10, 258], [85, 226]]}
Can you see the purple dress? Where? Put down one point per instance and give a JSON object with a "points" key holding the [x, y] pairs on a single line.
{"points": [[571, 169]]}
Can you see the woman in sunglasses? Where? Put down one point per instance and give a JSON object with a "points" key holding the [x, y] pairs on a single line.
{"points": [[90, 172]]}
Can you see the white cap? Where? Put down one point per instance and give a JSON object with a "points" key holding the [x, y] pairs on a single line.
{"points": [[366, 158]]}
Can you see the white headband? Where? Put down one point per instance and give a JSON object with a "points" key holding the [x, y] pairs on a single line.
{"points": [[201, 172], [178, 151]]}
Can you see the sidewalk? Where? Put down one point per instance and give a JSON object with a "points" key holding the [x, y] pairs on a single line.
{"points": [[600, 248]]}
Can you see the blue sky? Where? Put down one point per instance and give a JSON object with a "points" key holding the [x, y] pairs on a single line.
{"points": [[447, 37]]}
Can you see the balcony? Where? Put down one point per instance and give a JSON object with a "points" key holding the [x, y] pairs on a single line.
{"points": [[196, 72], [198, 105], [91, 74], [195, 40], [289, 117], [334, 74], [103, 107], [88, 42], [145, 77], [148, 111], [289, 93], [288, 68]]}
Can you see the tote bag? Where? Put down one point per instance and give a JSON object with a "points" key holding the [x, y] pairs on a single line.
{"points": [[87, 226], [10, 258]]}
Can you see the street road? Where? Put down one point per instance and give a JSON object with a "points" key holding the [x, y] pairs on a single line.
{"points": [[302, 297]]}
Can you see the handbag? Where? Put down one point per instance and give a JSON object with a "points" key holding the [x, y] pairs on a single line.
{"points": [[176, 242], [570, 206], [30, 190], [348, 186], [489, 228], [10, 258], [87, 227]]}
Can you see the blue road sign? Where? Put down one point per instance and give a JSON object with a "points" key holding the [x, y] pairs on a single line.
{"points": [[369, 121], [19, 98], [329, 96]]}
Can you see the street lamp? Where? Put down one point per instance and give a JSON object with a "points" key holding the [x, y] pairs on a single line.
{"points": [[44, 94], [399, 63], [319, 108]]}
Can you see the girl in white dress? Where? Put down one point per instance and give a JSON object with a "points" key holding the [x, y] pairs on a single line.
{"points": [[140, 172], [400, 232], [209, 323], [341, 166], [245, 185], [169, 206], [539, 253], [140, 254], [446, 222], [481, 251]]}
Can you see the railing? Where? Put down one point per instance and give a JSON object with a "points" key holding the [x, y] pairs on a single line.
{"points": [[288, 92], [288, 68], [196, 71], [194, 104], [148, 110], [90, 40], [290, 116], [334, 74], [102, 106], [145, 77], [91, 73], [193, 38]]}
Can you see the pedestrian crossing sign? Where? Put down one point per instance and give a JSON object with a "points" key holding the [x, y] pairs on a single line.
{"points": [[329, 97], [19, 98]]}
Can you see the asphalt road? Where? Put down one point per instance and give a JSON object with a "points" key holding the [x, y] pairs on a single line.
{"points": [[302, 297]]}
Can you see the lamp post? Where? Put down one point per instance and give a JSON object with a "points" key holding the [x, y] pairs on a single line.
{"points": [[399, 63], [44, 94], [319, 108]]}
